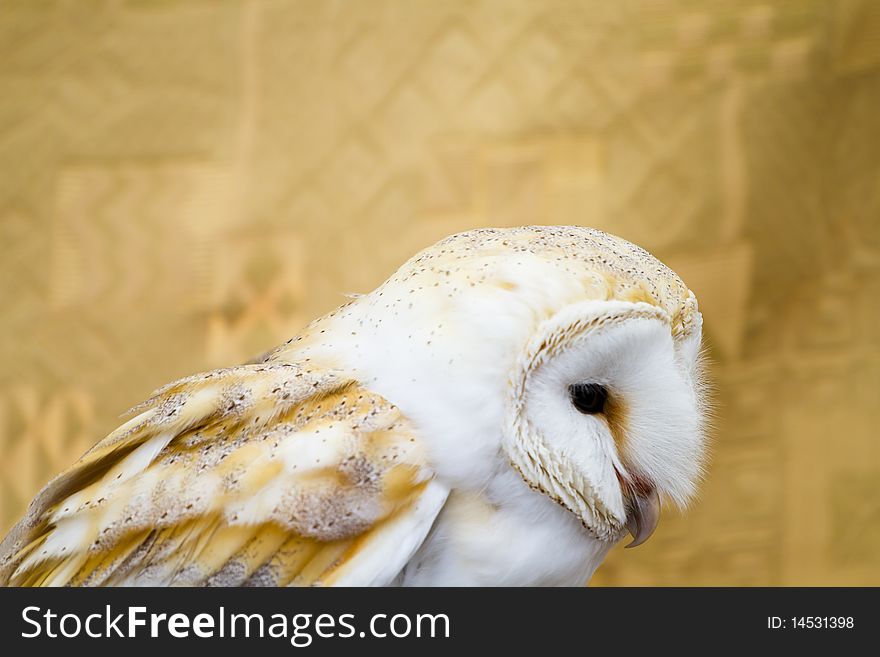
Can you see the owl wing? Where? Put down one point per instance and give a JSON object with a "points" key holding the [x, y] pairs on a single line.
{"points": [[264, 474]]}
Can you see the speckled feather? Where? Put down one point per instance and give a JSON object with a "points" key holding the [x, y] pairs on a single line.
{"points": [[260, 474], [606, 267]]}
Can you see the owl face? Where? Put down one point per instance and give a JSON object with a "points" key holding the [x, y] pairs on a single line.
{"points": [[605, 414]]}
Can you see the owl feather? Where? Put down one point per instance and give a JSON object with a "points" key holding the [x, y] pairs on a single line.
{"points": [[263, 474]]}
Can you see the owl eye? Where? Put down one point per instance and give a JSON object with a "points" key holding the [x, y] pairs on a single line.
{"points": [[588, 398]]}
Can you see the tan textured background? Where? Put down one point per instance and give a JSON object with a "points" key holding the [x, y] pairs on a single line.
{"points": [[184, 184]]}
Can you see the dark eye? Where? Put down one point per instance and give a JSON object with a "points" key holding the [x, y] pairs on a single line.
{"points": [[588, 398]]}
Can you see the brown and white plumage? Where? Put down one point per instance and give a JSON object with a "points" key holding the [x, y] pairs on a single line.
{"points": [[269, 474], [425, 433]]}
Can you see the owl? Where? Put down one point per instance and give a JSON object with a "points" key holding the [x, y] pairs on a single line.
{"points": [[501, 411]]}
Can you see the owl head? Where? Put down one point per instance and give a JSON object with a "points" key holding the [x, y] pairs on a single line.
{"points": [[564, 354]]}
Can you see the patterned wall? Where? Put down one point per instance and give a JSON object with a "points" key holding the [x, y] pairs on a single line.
{"points": [[185, 183]]}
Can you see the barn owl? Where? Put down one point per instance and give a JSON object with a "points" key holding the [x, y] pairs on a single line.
{"points": [[501, 411]]}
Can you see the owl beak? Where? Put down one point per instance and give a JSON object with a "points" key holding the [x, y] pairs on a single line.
{"points": [[643, 516]]}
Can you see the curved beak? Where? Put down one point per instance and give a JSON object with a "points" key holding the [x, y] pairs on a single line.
{"points": [[644, 514]]}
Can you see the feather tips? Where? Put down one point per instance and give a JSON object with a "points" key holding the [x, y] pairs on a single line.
{"points": [[266, 473]]}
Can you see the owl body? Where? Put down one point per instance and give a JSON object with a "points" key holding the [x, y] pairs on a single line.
{"points": [[501, 411]]}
